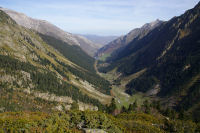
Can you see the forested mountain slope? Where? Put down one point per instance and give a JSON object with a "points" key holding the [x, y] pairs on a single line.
{"points": [[170, 54], [48, 85], [34, 66]]}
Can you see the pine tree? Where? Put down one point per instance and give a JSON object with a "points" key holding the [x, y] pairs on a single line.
{"points": [[123, 110], [130, 108], [146, 106], [135, 105], [112, 106]]}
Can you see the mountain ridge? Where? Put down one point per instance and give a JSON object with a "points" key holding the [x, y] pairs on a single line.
{"points": [[44, 27], [169, 54], [31, 65], [126, 39], [151, 84]]}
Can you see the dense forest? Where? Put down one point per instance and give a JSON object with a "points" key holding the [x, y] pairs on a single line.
{"points": [[72, 52], [98, 82], [79, 57], [45, 81]]}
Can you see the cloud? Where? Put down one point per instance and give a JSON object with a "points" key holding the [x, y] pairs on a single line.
{"points": [[100, 16]]}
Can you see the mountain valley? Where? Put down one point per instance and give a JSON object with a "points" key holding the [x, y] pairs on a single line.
{"points": [[163, 63], [55, 81]]}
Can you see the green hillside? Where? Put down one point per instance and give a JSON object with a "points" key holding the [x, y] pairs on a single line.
{"points": [[151, 85], [170, 53], [30, 64]]}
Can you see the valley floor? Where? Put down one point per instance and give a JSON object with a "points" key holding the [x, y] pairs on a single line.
{"points": [[118, 90]]}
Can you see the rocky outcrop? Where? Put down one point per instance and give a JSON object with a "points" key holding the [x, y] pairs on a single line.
{"points": [[66, 101]]}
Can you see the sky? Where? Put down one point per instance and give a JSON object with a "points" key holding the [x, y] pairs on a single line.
{"points": [[100, 17]]}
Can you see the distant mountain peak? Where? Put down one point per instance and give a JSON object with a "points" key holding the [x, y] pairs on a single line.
{"points": [[100, 40], [126, 39], [152, 24]]}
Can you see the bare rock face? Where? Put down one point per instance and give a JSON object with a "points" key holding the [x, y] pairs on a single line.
{"points": [[83, 106], [52, 97], [126, 39], [44, 27]]}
